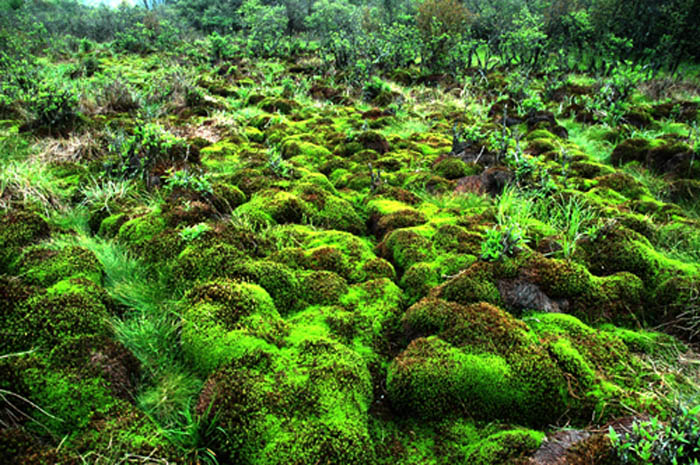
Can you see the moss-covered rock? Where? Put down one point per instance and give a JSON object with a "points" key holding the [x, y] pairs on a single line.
{"points": [[475, 284], [452, 168], [273, 105], [404, 248], [44, 267], [277, 279], [323, 287], [139, 230], [274, 206], [220, 316], [418, 280], [630, 150], [504, 447], [431, 378], [19, 228], [372, 140], [304, 404], [47, 320]]}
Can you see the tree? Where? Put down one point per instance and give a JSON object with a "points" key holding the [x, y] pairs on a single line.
{"points": [[442, 23]]}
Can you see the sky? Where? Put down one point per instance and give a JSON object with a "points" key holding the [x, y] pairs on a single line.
{"points": [[112, 3]]}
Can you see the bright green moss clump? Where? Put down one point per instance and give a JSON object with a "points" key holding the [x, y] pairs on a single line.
{"points": [[221, 316], [404, 247], [304, 404], [431, 378], [19, 228], [44, 267], [47, 320], [504, 446]]}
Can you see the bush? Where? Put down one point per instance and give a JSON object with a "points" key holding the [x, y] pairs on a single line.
{"points": [[184, 179], [502, 242], [116, 95], [138, 155], [265, 26], [52, 109], [147, 36], [441, 24], [674, 442], [336, 24], [222, 47]]}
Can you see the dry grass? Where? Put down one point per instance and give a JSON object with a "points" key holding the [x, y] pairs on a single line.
{"points": [[75, 148]]}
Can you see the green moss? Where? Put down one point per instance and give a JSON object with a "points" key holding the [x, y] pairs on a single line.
{"points": [[615, 376], [376, 307], [81, 285], [46, 320], [341, 252], [451, 168], [504, 447], [372, 140], [540, 146], [337, 213], [223, 318], [431, 378], [254, 134], [294, 148], [137, 231], [278, 206], [13, 291], [19, 228], [404, 248], [329, 259], [425, 181], [622, 298], [277, 279], [323, 287], [109, 227], [630, 150], [418, 280], [398, 220], [540, 134], [73, 402], [202, 261], [452, 238], [226, 197], [646, 342], [570, 360], [558, 278], [619, 249], [43, 267], [483, 327], [305, 404], [475, 284], [624, 184], [274, 104], [378, 268]]}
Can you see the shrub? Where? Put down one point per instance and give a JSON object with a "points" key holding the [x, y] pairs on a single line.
{"points": [[52, 108], [676, 441], [139, 154], [265, 26], [502, 242], [440, 23], [222, 47], [184, 179]]}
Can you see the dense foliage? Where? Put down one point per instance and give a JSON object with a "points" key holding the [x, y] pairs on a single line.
{"points": [[440, 35]]}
